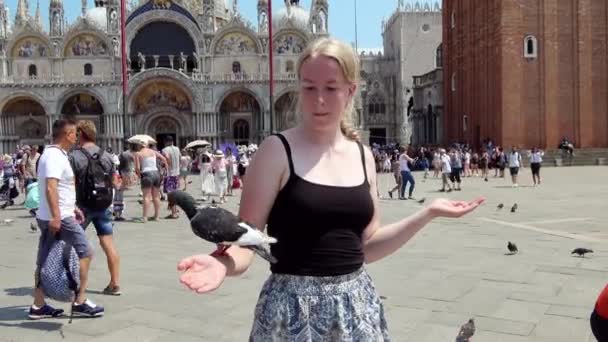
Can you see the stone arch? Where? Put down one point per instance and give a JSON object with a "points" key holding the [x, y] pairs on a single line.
{"points": [[290, 41], [165, 121], [89, 43], [240, 112], [145, 77], [285, 110], [235, 40], [91, 103], [26, 117], [161, 92], [30, 45], [24, 95], [229, 91], [142, 20]]}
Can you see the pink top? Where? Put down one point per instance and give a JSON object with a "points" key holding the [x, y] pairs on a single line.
{"points": [[219, 164]]}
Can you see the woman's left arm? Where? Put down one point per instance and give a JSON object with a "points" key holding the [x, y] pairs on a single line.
{"points": [[379, 242]]}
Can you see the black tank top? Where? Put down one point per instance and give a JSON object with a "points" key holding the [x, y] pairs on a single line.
{"points": [[319, 227]]}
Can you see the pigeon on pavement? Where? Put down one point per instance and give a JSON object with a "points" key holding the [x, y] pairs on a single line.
{"points": [[512, 247], [581, 251], [514, 208], [421, 201], [220, 226], [466, 331], [500, 206]]}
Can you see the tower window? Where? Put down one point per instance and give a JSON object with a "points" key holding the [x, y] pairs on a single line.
{"points": [[530, 47], [88, 69], [453, 81], [32, 71]]}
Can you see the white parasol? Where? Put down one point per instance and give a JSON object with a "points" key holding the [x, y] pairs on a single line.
{"points": [[142, 138], [198, 143]]}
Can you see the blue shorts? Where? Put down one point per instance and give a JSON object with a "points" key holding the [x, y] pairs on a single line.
{"points": [[70, 232], [102, 221]]}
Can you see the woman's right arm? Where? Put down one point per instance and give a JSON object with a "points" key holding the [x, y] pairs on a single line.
{"points": [[267, 172]]}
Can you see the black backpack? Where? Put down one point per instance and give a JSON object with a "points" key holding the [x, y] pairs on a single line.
{"points": [[95, 187]]}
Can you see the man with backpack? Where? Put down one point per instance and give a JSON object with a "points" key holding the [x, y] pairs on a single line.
{"points": [[95, 180], [58, 218]]}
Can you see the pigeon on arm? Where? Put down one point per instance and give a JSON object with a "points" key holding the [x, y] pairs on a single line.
{"points": [[220, 226]]}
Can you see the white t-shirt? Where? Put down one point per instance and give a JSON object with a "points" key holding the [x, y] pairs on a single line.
{"points": [[445, 164], [403, 163], [514, 159], [172, 153], [536, 157], [54, 163]]}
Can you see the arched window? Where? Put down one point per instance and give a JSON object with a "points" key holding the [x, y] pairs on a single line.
{"points": [[376, 108], [453, 81], [439, 56], [236, 67], [32, 71], [453, 19], [290, 67], [530, 47], [88, 69]]}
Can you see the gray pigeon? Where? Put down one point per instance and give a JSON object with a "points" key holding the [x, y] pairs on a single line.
{"points": [[466, 331], [514, 208], [512, 247], [220, 226], [581, 251], [421, 201], [500, 206]]}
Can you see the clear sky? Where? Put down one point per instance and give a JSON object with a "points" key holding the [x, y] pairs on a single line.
{"points": [[341, 16]]}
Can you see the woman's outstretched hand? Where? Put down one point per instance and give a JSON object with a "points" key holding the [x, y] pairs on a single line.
{"points": [[201, 273], [443, 207]]}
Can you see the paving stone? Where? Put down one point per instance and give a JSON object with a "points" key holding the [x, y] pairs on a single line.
{"points": [[449, 272]]}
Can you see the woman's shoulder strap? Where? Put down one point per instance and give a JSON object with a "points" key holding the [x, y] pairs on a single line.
{"points": [[287, 151]]}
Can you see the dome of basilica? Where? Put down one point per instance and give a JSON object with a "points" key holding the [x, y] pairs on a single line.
{"points": [[97, 17], [294, 16]]}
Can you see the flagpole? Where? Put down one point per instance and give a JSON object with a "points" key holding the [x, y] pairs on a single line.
{"points": [[270, 68], [123, 44]]}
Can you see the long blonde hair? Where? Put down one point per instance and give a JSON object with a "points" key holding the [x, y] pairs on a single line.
{"points": [[346, 57]]}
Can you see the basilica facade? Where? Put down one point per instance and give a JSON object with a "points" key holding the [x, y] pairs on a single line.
{"points": [[196, 69]]}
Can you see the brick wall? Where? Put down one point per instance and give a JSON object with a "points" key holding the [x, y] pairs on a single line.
{"points": [[526, 101]]}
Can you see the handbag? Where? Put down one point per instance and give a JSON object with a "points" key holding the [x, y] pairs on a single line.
{"points": [[59, 272]]}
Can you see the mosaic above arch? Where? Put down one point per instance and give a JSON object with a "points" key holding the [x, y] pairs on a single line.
{"points": [[235, 43], [161, 93], [30, 47], [289, 43], [86, 45]]}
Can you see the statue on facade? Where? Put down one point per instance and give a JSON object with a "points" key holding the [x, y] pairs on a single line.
{"points": [[142, 61], [113, 21], [56, 48], [116, 47], [196, 58], [56, 24], [183, 62], [207, 44], [263, 23], [128, 64]]}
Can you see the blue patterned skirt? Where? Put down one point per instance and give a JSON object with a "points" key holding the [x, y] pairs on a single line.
{"points": [[306, 309]]}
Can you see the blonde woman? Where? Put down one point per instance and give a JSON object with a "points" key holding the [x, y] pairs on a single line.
{"points": [[317, 180]]}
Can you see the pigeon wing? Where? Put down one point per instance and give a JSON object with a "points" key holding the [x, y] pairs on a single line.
{"points": [[216, 225]]}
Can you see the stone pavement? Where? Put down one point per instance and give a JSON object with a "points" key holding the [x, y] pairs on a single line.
{"points": [[451, 271]]}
